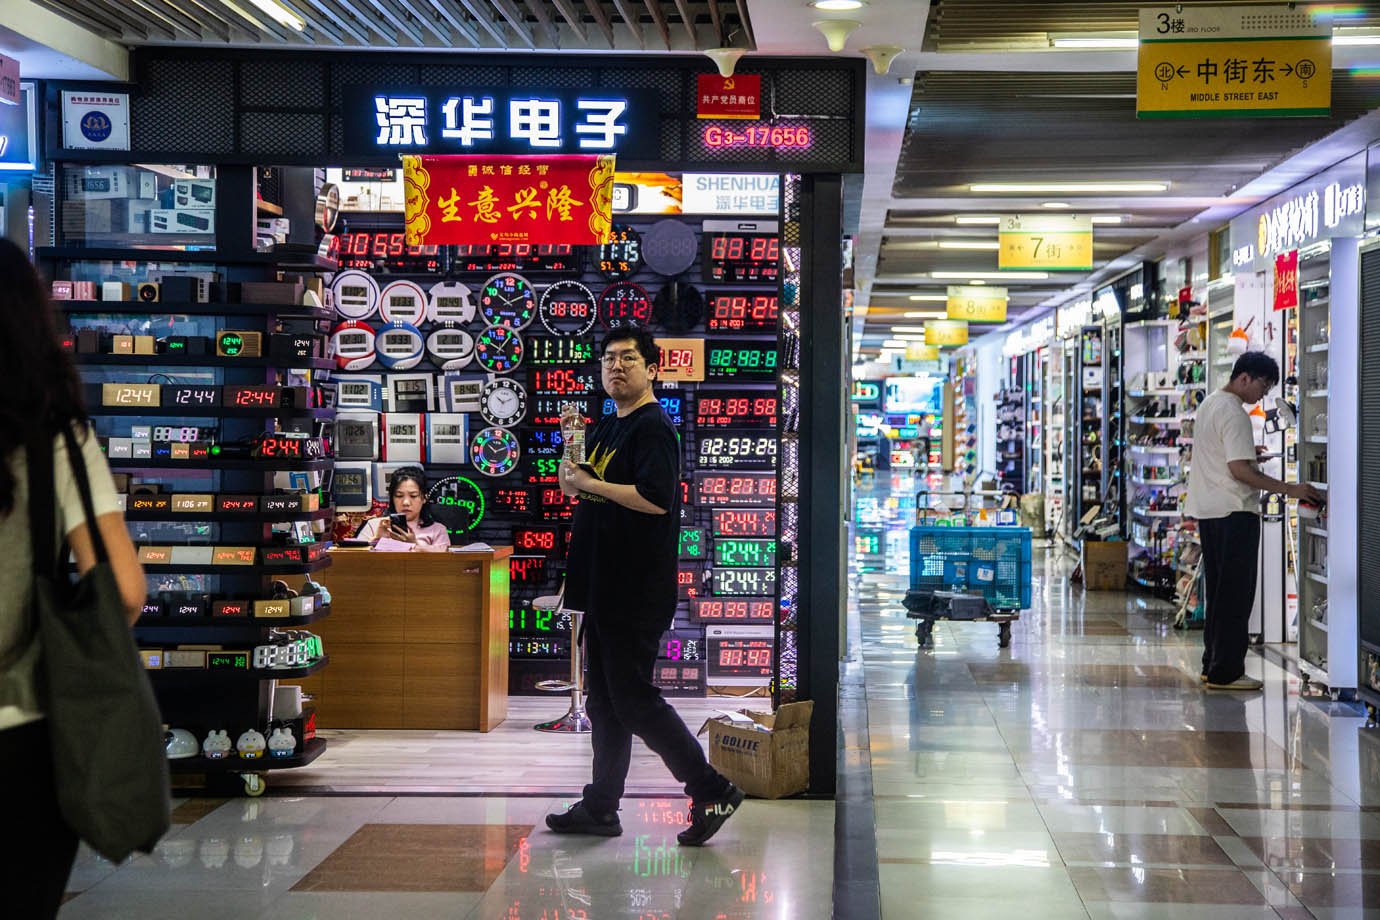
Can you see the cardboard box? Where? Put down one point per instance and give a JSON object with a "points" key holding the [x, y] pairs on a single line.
{"points": [[764, 754], [182, 220], [1104, 565]]}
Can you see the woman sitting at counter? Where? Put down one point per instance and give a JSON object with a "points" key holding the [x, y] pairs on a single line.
{"points": [[407, 495]]}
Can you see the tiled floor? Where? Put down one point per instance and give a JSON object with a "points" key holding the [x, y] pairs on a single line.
{"points": [[1082, 772]]}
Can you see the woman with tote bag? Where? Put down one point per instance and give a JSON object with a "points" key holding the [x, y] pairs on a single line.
{"points": [[48, 623]]}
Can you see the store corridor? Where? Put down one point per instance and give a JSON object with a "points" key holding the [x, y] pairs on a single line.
{"points": [[1083, 772]]}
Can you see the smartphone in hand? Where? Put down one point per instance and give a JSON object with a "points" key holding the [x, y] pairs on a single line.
{"points": [[398, 522]]}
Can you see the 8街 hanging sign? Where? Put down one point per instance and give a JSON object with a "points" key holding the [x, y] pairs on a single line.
{"points": [[977, 303], [1042, 241], [946, 332], [483, 200], [1233, 62]]}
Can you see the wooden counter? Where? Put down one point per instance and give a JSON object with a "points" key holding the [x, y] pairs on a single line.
{"points": [[416, 640]]}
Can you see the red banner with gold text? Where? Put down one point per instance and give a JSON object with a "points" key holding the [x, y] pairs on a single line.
{"points": [[482, 200]]}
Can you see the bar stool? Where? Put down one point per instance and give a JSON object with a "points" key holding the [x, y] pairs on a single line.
{"points": [[575, 721]]}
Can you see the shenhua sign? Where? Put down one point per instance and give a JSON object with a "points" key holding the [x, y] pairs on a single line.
{"points": [[1331, 204], [500, 121]]}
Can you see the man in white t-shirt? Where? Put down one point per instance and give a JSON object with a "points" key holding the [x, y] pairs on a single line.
{"points": [[1224, 486]]}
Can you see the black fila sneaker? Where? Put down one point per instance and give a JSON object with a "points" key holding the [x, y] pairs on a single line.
{"points": [[707, 817]]}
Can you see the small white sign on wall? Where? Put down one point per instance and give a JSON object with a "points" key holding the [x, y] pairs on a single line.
{"points": [[95, 120]]}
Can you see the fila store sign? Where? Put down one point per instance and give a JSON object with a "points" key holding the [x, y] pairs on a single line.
{"points": [[1332, 204], [392, 120]]}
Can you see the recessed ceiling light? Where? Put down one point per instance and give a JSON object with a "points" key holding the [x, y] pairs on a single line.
{"points": [[1055, 205], [1106, 218], [935, 297], [1355, 37], [969, 244], [907, 328], [977, 281], [1096, 43], [837, 6], [925, 314], [1072, 188], [280, 13], [976, 220], [1001, 276]]}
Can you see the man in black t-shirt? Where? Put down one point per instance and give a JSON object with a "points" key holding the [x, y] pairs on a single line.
{"points": [[622, 573]]}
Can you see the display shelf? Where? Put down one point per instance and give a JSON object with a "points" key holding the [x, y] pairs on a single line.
{"points": [[266, 466], [1316, 439], [1146, 512], [1154, 448], [1153, 482], [1317, 624], [175, 623], [315, 364], [1320, 486], [1320, 579], [258, 569], [269, 208], [1317, 394], [159, 308], [282, 260], [233, 764], [229, 517], [214, 412], [1151, 394], [244, 673], [1318, 349], [1170, 420], [1317, 531]]}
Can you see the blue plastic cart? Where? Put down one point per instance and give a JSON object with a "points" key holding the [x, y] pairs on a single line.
{"points": [[968, 573]]}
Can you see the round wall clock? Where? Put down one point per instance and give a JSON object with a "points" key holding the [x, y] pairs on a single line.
{"points": [[450, 302], [621, 256], [508, 299], [669, 247], [352, 345], [356, 294], [400, 346], [568, 308], [458, 502], [503, 402], [625, 303], [494, 451], [498, 349], [403, 302], [451, 347]]}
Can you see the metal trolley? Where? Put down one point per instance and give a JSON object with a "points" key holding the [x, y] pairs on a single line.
{"points": [[963, 572]]}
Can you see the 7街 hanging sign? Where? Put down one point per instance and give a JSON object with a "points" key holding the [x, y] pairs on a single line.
{"points": [[483, 200], [1041, 241], [977, 303], [946, 332], [1233, 62], [414, 119]]}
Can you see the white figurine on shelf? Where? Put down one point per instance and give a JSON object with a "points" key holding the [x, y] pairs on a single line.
{"points": [[217, 745], [281, 743], [251, 745]]}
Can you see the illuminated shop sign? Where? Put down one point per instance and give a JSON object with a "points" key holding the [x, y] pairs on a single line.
{"points": [[866, 391], [17, 133], [1331, 204], [758, 137], [729, 193], [504, 121]]}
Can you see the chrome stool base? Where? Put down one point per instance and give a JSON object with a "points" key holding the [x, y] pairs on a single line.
{"points": [[575, 721]]}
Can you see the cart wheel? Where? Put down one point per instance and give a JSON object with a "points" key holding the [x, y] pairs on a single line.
{"points": [[254, 784], [1004, 634], [924, 634]]}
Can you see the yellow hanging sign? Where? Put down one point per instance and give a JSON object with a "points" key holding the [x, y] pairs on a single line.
{"points": [[946, 332], [1233, 62], [918, 352], [1048, 242], [977, 303]]}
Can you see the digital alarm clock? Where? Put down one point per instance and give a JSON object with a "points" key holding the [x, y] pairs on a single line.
{"points": [[516, 257], [625, 303], [357, 437], [508, 299], [542, 470], [460, 394], [513, 499], [352, 345], [402, 437], [745, 312], [447, 438], [744, 552], [682, 360], [564, 351], [356, 295], [564, 382], [556, 505], [357, 393], [674, 406], [495, 451], [409, 393], [736, 408], [543, 442], [450, 347], [621, 256], [736, 489], [742, 360], [694, 544], [400, 346], [532, 540], [192, 397], [498, 349], [503, 402], [450, 302], [733, 610], [403, 302], [568, 308], [741, 251], [740, 655], [351, 487], [744, 522]]}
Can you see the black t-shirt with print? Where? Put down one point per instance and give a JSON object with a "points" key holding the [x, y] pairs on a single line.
{"points": [[622, 565]]}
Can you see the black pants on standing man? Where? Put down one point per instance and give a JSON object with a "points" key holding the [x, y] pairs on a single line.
{"points": [[1231, 550]]}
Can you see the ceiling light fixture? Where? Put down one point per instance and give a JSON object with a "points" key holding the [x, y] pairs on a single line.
{"points": [[977, 282], [1055, 205], [985, 245], [1355, 37], [281, 14], [926, 314], [999, 276], [881, 56], [934, 297], [1072, 188], [725, 59], [838, 6], [1106, 218], [1095, 42], [836, 31], [907, 328], [975, 220]]}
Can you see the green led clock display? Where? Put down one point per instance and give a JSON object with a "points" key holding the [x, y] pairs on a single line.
{"points": [[692, 543], [745, 553]]}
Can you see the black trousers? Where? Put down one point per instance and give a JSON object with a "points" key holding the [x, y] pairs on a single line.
{"points": [[1231, 552], [622, 702], [34, 872]]}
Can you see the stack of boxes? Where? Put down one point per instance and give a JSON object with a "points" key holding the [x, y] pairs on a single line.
{"points": [[126, 200]]}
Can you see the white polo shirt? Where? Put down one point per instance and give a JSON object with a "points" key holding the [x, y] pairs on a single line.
{"points": [[1221, 433]]}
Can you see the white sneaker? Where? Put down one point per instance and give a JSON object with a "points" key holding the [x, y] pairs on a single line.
{"points": [[1241, 683]]}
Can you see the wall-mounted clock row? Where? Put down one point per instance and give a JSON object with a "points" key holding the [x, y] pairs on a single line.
{"points": [[358, 297]]}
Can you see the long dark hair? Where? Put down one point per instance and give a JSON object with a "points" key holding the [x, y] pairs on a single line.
{"points": [[42, 389], [414, 474]]}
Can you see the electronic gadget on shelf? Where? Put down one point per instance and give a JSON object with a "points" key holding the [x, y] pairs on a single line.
{"points": [[447, 438], [359, 393], [356, 437], [400, 345], [682, 360], [564, 381], [352, 344], [625, 303], [733, 610], [403, 302], [450, 302], [461, 394], [560, 351], [748, 311], [568, 308], [351, 487], [402, 437], [743, 522], [410, 393], [508, 299], [621, 256], [236, 344], [450, 347], [356, 295], [736, 408], [749, 450], [740, 655], [742, 360], [741, 251]]}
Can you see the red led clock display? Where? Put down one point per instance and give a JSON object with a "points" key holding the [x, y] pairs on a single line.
{"points": [[524, 569], [363, 250], [563, 382], [556, 505], [735, 409], [744, 522], [535, 540], [735, 488], [743, 312], [733, 610], [252, 397]]}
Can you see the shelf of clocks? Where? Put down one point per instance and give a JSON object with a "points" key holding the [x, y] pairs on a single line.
{"points": [[154, 624], [234, 764], [278, 260], [315, 364], [231, 517], [190, 412], [258, 570], [159, 308], [263, 466], [251, 674]]}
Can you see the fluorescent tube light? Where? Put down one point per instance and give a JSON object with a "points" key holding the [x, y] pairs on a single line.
{"points": [[1036, 188], [1003, 276], [976, 220], [1106, 218], [991, 245], [280, 14], [938, 298], [1097, 43]]}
